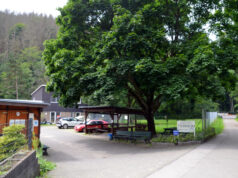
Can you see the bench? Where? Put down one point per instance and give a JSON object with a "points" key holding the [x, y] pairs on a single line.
{"points": [[141, 135], [120, 134], [133, 136], [44, 149]]}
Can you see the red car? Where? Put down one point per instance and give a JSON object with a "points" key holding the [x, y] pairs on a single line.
{"points": [[92, 124]]}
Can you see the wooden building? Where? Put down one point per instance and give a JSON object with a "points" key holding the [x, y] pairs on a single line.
{"points": [[19, 112]]}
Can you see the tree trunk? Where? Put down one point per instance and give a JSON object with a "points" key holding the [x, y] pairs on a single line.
{"points": [[16, 87], [232, 109], [151, 123]]}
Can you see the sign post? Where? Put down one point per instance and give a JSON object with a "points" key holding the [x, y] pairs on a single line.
{"points": [[29, 134]]}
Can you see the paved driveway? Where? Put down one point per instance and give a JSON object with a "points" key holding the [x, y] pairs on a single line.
{"points": [[77, 155]]}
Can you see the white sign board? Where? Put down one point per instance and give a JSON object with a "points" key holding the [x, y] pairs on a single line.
{"points": [[186, 126]]}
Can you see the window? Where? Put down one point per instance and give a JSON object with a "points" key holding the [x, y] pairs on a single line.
{"points": [[53, 100], [57, 115], [92, 123]]}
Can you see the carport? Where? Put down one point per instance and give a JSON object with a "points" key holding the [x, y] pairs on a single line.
{"points": [[115, 114]]}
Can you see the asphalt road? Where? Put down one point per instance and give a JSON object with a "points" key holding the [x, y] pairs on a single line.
{"points": [[77, 155]]}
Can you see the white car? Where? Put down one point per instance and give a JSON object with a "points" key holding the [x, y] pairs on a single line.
{"points": [[68, 122], [80, 118]]}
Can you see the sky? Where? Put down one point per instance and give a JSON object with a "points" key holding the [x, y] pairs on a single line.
{"points": [[47, 7]]}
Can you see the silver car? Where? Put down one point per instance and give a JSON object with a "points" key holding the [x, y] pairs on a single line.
{"points": [[68, 122]]}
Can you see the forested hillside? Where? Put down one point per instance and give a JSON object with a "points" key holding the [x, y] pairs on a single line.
{"points": [[21, 46]]}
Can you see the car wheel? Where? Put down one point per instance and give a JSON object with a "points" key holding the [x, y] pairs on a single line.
{"points": [[83, 130], [65, 126]]}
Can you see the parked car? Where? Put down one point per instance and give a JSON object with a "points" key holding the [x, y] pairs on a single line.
{"points": [[67, 122], [92, 124]]}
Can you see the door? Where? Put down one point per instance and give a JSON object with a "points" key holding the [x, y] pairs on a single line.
{"points": [[52, 117], [3, 120]]}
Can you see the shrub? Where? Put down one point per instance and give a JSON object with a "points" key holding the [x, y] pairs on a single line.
{"points": [[11, 141], [164, 138]]}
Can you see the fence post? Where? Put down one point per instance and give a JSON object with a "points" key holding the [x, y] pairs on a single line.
{"points": [[29, 134], [203, 123]]}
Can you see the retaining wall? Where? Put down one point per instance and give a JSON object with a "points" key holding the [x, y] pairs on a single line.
{"points": [[27, 167]]}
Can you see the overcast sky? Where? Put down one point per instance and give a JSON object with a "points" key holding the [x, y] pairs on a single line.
{"points": [[38, 6]]}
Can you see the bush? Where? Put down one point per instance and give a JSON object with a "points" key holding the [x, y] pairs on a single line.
{"points": [[164, 138], [186, 137], [11, 141]]}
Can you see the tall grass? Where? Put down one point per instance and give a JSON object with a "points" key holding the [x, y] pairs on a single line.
{"points": [[218, 125]]}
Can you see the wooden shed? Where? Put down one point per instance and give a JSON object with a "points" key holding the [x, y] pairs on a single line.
{"points": [[19, 111]]}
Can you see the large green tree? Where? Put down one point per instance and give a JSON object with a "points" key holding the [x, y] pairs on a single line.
{"points": [[225, 26], [151, 50]]}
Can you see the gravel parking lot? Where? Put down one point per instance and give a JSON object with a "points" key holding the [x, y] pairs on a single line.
{"points": [[79, 155]]}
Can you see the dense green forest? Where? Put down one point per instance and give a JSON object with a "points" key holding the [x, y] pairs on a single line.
{"points": [[21, 45]]}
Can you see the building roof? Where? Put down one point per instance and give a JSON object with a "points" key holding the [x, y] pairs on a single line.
{"points": [[28, 103], [38, 89], [111, 110]]}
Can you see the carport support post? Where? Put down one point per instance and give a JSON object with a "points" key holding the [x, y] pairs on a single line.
{"points": [[112, 116], [118, 118], [135, 121], [86, 116]]}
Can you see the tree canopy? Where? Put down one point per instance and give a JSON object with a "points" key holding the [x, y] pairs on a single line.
{"points": [[152, 51]]}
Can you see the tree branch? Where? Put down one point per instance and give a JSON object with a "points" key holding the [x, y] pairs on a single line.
{"points": [[138, 98], [156, 103]]}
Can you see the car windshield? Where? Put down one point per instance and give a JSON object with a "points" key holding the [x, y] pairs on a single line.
{"points": [[99, 122]]}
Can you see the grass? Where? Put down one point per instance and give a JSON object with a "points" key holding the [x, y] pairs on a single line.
{"points": [[160, 125], [45, 166], [215, 128], [47, 125], [218, 125]]}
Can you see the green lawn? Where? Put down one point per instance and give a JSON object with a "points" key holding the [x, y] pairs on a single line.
{"points": [[161, 124]]}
